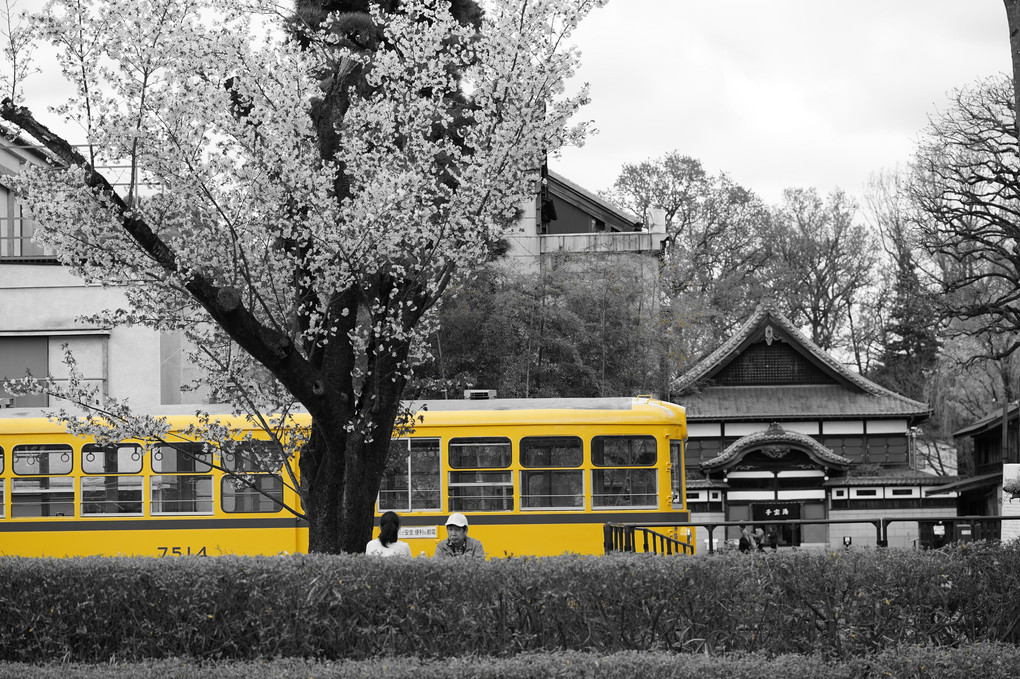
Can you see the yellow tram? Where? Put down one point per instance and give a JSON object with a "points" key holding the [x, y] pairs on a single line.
{"points": [[533, 476]]}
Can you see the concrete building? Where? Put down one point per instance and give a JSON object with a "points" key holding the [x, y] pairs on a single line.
{"points": [[44, 308], [779, 430]]}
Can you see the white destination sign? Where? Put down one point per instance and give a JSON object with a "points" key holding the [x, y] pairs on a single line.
{"points": [[410, 532]]}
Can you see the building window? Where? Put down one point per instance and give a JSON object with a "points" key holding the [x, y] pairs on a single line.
{"points": [[411, 481], [18, 357], [16, 230], [479, 487]]}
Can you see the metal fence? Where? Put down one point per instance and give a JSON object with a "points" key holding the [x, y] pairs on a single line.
{"points": [[652, 537]]}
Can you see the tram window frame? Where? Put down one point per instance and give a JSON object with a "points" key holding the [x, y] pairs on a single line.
{"points": [[34, 449], [233, 488], [42, 494], [421, 486], [676, 454], [202, 505], [551, 472], [245, 457], [480, 487], [89, 468], [193, 485], [188, 452], [246, 463], [628, 477], [117, 484], [53, 493]]}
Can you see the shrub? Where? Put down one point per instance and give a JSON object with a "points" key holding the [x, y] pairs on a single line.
{"points": [[831, 605], [987, 661]]}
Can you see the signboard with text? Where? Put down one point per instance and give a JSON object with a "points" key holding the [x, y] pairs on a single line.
{"points": [[775, 511], [412, 532]]}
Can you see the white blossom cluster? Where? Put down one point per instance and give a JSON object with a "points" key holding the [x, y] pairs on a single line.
{"points": [[198, 113]]}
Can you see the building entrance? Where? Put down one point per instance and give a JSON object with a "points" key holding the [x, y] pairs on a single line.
{"points": [[764, 513]]}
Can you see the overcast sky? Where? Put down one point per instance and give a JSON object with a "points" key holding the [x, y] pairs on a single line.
{"points": [[777, 93]]}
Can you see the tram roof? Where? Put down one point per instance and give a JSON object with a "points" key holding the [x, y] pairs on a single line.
{"points": [[439, 412], [547, 410]]}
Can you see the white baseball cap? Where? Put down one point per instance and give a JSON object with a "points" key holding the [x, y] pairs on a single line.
{"points": [[457, 519]]}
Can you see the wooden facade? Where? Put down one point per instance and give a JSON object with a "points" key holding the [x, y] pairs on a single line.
{"points": [[778, 429]]}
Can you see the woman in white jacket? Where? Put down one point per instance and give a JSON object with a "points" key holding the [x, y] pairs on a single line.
{"points": [[387, 543]]}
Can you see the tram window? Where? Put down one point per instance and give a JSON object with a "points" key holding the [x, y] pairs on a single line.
{"points": [[623, 451], [552, 489], [623, 488], [253, 456], [181, 457], [480, 452], [42, 496], [184, 494], [111, 495], [238, 496], [478, 491], [125, 458], [676, 456], [551, 451], [38, 460], [1, 459], [411, 481]]}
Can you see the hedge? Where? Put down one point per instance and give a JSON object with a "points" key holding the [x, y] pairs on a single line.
{"points": [[981, 661], [833, 605]]}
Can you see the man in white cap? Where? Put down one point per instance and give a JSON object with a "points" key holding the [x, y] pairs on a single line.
{"points": [[457, 542]]}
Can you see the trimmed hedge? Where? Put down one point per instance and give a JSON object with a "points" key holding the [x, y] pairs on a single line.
{"points": [[833, 605], [981, 661]]}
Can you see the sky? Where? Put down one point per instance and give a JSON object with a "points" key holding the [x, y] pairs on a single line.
{"points": [[775, 93]]}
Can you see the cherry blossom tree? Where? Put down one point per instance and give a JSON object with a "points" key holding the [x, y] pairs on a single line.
{"points": [[293, 192]]}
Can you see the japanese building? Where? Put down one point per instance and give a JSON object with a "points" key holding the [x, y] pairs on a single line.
{"points": [[780, 430]]}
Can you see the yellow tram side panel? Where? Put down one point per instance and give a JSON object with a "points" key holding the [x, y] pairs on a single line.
{"points": [[666, 421], [134, 535]]}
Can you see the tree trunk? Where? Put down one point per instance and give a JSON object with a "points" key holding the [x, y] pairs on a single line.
{"points": [[1013, 20]]}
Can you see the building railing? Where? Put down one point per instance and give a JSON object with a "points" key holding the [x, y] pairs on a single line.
{"points": [[621, 537], [609, 241]]}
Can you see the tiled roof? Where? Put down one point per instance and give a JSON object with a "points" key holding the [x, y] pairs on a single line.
{"points": [[621, 214], [794, 402], [775, 435], [702, 484], [987, 423], [859, 396]]}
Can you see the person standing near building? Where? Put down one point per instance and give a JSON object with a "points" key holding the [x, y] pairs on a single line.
{"points": [[457, 542], [746, 542], [759, 538], [387, 543], [773, 537]]}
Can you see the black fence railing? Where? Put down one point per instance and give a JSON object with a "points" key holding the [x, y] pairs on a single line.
{"points": [[651, 537], [630, 537]]}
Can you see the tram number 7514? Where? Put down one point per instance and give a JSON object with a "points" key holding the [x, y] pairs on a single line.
{"points": [[180, 551]]}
